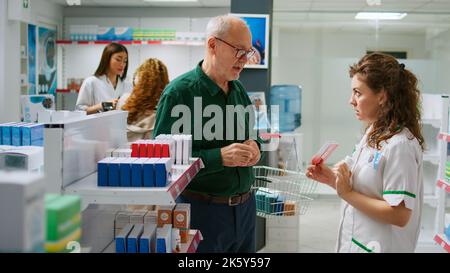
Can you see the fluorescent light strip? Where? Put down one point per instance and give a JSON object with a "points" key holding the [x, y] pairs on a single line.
{"points": [[380, 16], [170, 1]]}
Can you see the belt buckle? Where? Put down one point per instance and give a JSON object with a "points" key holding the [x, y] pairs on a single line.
{"points": [[230, 200]]}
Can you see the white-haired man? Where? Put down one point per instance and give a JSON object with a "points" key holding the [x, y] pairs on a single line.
{"points": [[222, 203]]}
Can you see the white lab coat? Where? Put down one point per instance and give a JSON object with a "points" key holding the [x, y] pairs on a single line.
{"points": [[95, 90], [393, 174]]}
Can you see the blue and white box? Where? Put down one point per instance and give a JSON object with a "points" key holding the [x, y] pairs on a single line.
{"points": [[113, 173], [147, 242], [133, 238], [121, 239], [149, 177], [136, 172], [105, 33], [6, 132], [164, 239], [163, 172], [125, 171], [102, 171], [31, 133], [16, 134], [123, 33]]}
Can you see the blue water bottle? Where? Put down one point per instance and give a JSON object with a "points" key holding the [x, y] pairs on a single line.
{"points": [[289, 100]]}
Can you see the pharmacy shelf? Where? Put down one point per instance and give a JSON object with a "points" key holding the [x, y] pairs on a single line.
{"points": [[442, 241], [182, 175], [443, 185], [195, 236], [444, 136], [134, 42], [435, 122]]}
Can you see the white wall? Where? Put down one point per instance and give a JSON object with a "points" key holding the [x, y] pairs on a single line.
{"points": [[318, 60], [3, 15], [43, 13]]}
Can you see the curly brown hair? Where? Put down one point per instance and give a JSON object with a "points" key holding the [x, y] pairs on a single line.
{"points": [[152, 79], [382, 72]]}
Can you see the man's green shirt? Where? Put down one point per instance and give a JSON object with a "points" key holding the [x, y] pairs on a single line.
{"points": [[214, 179]]}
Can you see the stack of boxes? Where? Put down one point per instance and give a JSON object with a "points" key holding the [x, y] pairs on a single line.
{"points": [[274, 202], [134, 172], [177, 147], [150, 164], [153, 231], [63, 213], [154, 34], [22, 134]]}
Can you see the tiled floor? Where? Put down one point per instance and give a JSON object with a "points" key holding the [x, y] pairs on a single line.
{"points": [[318, 226]]}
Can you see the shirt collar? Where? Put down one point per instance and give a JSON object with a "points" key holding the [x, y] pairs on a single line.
{"points": [[211, 85]]}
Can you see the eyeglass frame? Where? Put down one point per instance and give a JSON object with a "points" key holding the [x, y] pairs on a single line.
{"points": [[251, 51]]}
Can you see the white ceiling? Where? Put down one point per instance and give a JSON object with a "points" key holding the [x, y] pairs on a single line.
{"points": [[421, 6], [141, 3], [423, 15]]}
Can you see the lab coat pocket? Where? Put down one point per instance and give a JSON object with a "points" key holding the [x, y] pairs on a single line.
{"points": [[370, 236]]}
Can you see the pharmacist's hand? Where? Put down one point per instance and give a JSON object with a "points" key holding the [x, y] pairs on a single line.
{"points": [[114, 102], [322, 173], [343, 175], [236, 155], [256, 154]]}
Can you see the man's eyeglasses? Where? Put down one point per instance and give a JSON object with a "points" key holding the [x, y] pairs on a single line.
{"points": [[239, 51]]}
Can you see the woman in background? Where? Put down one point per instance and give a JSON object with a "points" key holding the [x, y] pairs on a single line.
{"points": [[149, 80], [108, 82]]}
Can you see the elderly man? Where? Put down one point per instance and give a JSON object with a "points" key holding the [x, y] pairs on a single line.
{"points": [[222, 203]]}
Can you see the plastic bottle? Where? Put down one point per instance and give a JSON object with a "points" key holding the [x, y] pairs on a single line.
{"points": [[289, 100]]}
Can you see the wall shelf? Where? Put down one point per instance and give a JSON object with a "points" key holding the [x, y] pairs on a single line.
{"points": [[92, 194], [442, 241], [195, 236], [443, 185], [135, 42], [444, 136]]}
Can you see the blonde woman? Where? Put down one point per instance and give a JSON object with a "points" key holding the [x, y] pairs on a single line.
{"points": [[149, 80]]}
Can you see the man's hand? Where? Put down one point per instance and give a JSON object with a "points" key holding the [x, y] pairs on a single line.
{"points": [[237, 155], [256, 153]]}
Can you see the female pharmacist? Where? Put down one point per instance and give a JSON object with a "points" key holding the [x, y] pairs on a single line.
{"points": [[107, 84], [149, 80], [381, 183]]}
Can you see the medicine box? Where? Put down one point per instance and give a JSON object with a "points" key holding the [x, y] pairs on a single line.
{"points": [[133, 238], [121, 239], [22, 212], [102, 171], [163, 171], [164, 239], [181, 220], [165, 215], [147, 242]]}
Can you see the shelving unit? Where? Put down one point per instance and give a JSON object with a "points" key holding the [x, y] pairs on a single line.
{"points": [[442, 186], [195, 236], [434, 122], [92, 194], [134, 42]]}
